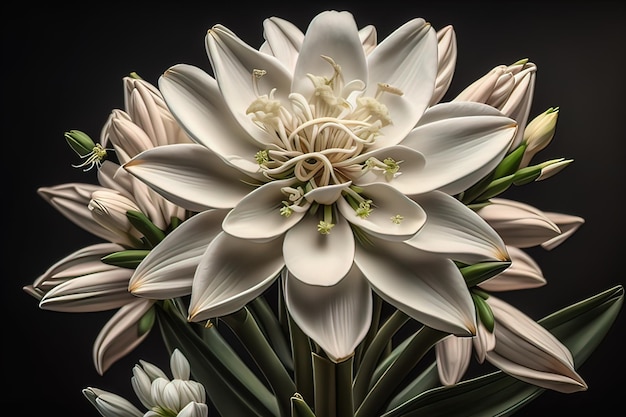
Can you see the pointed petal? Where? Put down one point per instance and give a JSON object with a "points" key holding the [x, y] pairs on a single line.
{"points": [[196, 101], [454, 230], [407, 60], [234, 63], [283, 40], [567, 224], [523, 273], [453, 355], [520, 224], [333, 34], [121, 334], [336, 317], [95, 292], [387, 203], [190, 176], [426, 287], [315, 258], [462, 142], [72, 201], [167, 272], [527, 351], [231, 273], [257, 216], [484, 341]]}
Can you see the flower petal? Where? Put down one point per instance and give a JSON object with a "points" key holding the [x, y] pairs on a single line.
{"points": [[453, 355], [520, 225], [190, 176], [462, 142], [428, 288], [387, 203], [369, 38], [567, 224], [527, 351], [231, 273], [336, 317], [195, 100], [283, 40], [315, 258], [523, 273], [454, 230], [167, 271], [406, 60], [258, 217], [121, 334]]}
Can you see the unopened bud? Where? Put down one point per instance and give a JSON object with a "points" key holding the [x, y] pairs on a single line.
{"points": [[446, 47], [539, 133]]}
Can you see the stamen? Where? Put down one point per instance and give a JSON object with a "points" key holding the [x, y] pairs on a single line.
{"points": [[256, 76], [94, 158], [325, 226], [397, 219]]}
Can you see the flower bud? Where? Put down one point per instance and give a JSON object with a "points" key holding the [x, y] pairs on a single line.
{"points": [[568, 225], [539, 133], [109, 209], [446, 47], [92, 153]]}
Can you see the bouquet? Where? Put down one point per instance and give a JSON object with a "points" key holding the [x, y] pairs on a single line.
{"points": [[313, 230]]}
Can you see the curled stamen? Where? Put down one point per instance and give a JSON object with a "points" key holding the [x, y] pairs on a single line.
{"points": [[94, 158]]}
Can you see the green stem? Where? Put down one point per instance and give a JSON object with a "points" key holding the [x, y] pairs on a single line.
{"points": [[302, 362], [371, 333], [245, 327], [268, 322], [333, 387], [387, 385]]}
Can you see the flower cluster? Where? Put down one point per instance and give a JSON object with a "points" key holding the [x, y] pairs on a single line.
{"points": [[324, 164]]}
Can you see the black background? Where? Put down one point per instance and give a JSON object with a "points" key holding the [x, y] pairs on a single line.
{"points": [[62, 70]]}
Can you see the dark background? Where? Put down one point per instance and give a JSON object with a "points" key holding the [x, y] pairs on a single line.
{"points": [[62, 70]]}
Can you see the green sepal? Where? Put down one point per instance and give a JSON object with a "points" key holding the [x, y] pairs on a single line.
{"points": [[130, 258], [142, 223], [580, 327], [146, 321], [526, 175], [482, 271], [80, 142], [496, 187], [299, 408], [484, 312], [510, 163]]}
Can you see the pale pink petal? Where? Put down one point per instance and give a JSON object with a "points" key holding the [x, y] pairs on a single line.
{"points": [[523, 273], [453, 355]]}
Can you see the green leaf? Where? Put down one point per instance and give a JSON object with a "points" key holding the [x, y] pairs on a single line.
{"points": [[230, 385], [581, 327], [299, 408], [272, 329], [126, 258]]}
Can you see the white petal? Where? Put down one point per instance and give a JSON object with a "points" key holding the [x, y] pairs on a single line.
{"points": [[234, 63], [327, 194], [520, 224], [196, 101], [257, 216], [369, 38], [167, 271], [336, 317], [315, 258], [446, 57], [426, 287], [453, 355], [387, 203], [523, 273], [190, 176], [111, 405], [484, 341], [179, 365], [454, 230], [566, 223], [194, 409], [232, 273], [95, 292], [121, 334], [283, 40], [407, 60], [461, 142], [529, 352]]}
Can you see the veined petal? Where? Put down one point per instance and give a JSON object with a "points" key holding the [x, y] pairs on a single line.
{"points": [[484, 341], [231, 273], [121, 334], [315, 258], [191, 176], [101, 291], [454, 230], [167, 272], [446, 58], [527, 351], [196, 102], [127, 138], [567, 224], [453, 355], [523, 273], [387, 204], [109, 404], [406, 60], [234, 64], [283, 40], [333, 34], [72, 200], [520, 224], [428, 288], [462, 142], [258, 217], [194, 409], [336, 317], [114, 177]]}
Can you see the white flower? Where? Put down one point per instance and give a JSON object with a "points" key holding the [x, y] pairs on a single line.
{"points": [[323, 144]]}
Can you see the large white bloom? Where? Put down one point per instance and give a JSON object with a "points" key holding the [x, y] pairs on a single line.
{"points": [[325, 151]]}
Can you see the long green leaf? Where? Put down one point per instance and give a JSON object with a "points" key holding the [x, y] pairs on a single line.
{"points": [[581, 327]]}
